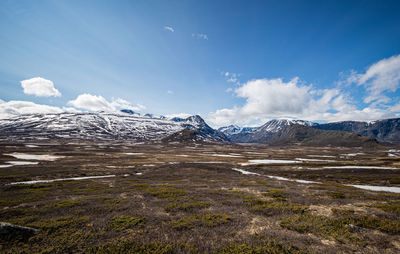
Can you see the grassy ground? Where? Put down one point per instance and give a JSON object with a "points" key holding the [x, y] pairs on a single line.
{"points": [[167, 199]]}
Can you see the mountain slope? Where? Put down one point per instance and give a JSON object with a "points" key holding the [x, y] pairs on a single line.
{"points": [[264, 132], [99, 126], [387, 130], [286, 132], [306, 135]]}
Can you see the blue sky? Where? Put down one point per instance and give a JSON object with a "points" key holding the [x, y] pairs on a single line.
{"points": [[240, 62]]}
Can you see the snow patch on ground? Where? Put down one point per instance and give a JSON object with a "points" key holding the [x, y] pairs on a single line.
{"points": [[31, 146], [22, 162], [302, 159], [352, 154], [359, 167], [62, 179], [376, 188], [133, 153], [6, 166], [279, 178], [255, 153], [39, 157], [322, 156], [364, 187], [254, 162], [224, 155], [245, 172]]}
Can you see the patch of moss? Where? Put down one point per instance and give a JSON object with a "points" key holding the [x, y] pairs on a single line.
{"points": [[390, 207], [337, 194], [130, 247], [276, 193], [274, 207], [166, 192], [124, 222], [205, 219], [66, 203], [186, 206], [320, 225], [271, 246]]}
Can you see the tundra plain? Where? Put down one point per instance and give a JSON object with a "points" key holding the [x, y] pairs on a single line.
{"points": [[122, 197]]}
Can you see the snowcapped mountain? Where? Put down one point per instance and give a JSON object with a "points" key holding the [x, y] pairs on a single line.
{"points": [[276, 125], [101, 126], [287, 131], [234, 129], [250, 134]]}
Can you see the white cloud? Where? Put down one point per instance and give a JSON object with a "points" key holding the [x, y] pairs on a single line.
{"points": [[40, 87], [14, 108], [91, 102], [231, 77], [169, 28], [380, 78], [124, 104], [99, 103], [274, 98], [200, 36], [170, 92]]}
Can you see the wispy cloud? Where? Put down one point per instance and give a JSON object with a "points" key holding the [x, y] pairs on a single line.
{"points": [[170, 92], [231, 78], [200, 36], [169, 28], [381, 78], [40, 87]]}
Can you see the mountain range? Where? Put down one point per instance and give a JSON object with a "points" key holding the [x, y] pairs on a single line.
{"points": [[128, 125]]}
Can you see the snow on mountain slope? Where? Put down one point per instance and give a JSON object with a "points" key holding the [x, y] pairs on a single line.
{"points": [[103, 126], [234, 129], [276, 125]]}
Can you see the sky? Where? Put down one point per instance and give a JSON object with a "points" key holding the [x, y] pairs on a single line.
{"points": [[232, 62]]}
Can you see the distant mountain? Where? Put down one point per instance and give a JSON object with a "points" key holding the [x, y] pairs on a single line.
{"points": [[129, 125], [387, 130], [307, 135], [234, 129], [254, 134], [101, 126]]}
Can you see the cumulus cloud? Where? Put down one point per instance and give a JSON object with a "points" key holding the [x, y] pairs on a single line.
{"points": [[40, 87], [200, 36], [99, 103], [275, 98], [169, 28], [15, 108]]}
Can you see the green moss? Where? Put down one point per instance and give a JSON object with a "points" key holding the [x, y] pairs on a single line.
{"points": [[273, 247], [66, 203], [59, 223], [186, 206], [276, 193], [166, 192], [320, 225], [390, 207], [274, 207], [130, 247], [124, 222], [206, 219], [337, 194]]}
